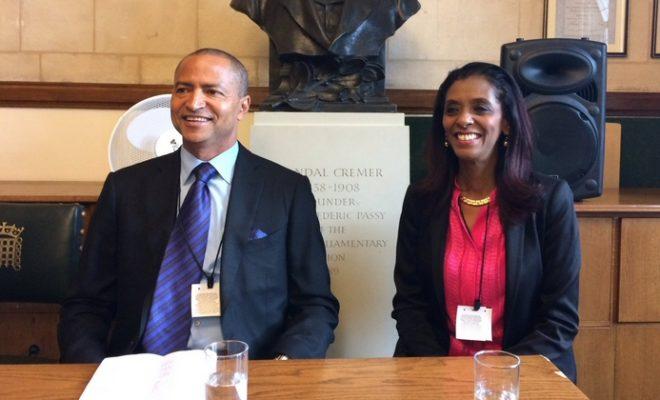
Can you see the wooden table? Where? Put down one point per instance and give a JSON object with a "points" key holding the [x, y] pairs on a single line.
{"points": [[444, 378]]}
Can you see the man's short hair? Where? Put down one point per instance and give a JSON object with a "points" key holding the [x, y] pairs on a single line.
{"points": [[236, 65]]}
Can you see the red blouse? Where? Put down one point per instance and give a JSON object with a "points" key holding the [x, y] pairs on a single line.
{"points": [[463, 268]]}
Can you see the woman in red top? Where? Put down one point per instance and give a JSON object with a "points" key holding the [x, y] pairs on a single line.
{"points": [[488, 254]]}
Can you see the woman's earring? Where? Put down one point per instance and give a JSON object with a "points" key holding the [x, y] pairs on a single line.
{"points": [[506, 141], [446, 143]]}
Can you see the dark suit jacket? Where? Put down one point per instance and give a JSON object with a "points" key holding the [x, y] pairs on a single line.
{"points": [[542, 277], [294, 26], [275, 290]]}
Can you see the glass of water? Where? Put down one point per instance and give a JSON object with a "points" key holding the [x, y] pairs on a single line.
{"points": [[227, 362], [496, 375]]}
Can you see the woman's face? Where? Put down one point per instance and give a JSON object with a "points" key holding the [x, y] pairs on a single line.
{"points": [[473, 120]]}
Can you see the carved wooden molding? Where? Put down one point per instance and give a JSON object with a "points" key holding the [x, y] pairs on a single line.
{"points": [[122, 96]]}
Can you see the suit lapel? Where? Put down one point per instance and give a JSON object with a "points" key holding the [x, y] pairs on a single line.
{"points": [[161, 194], [438, 227], [514, 263], [246, 187]]}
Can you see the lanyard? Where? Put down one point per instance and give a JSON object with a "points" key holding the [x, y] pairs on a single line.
{"points": [[209, 277], [477, 301]]}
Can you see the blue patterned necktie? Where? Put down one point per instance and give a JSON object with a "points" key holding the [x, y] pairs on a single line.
{"points": [[168, 327]]}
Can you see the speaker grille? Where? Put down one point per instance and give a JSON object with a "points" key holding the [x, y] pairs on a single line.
{"points": [[566, 141]]}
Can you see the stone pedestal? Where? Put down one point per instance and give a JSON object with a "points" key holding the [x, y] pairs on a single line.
{"points": [[359, 166]]}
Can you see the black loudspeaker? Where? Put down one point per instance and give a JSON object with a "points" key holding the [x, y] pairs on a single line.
{"points": [[564, 84]]}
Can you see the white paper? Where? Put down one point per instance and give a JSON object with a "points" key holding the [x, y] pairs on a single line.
{"points": [[204, 302], [179, 375], [474, 325]]}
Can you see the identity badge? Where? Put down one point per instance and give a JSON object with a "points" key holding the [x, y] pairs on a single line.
{"points": [[204, 302], [474, 324]]}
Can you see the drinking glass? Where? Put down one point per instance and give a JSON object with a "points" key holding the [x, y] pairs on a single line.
{"points": [[496, 375], [227, 362]]}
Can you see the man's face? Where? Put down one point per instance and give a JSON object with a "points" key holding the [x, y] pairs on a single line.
{"points": [[207, 105]]}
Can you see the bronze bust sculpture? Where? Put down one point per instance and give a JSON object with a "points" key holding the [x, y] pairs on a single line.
{"points": [[328, 55]]}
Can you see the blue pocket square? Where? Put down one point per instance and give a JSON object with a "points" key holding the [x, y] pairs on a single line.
{"points": [[257, 234]]}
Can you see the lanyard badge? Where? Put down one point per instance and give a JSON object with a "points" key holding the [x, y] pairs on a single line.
{"points": [[204, 301], [474, 324]]}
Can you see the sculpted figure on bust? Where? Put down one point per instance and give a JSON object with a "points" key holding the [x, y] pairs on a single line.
{"points": [[328, 55]]}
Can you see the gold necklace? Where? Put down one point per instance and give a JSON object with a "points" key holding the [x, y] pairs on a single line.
{"points": [[475, 203]]}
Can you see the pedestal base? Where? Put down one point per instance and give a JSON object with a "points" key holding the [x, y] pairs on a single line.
{"points": [[358, 164]]}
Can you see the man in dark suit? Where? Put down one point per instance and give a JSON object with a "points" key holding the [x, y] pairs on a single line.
{"points": [[264, 258]]}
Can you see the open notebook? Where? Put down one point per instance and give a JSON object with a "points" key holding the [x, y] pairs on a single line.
{"points": [[179, 375]]}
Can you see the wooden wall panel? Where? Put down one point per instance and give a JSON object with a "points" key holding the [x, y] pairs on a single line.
{"points": [[639, 286], [122, 96], [597, 240], [24, 324], [594, 353], [612, 167], [637, 366]]}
